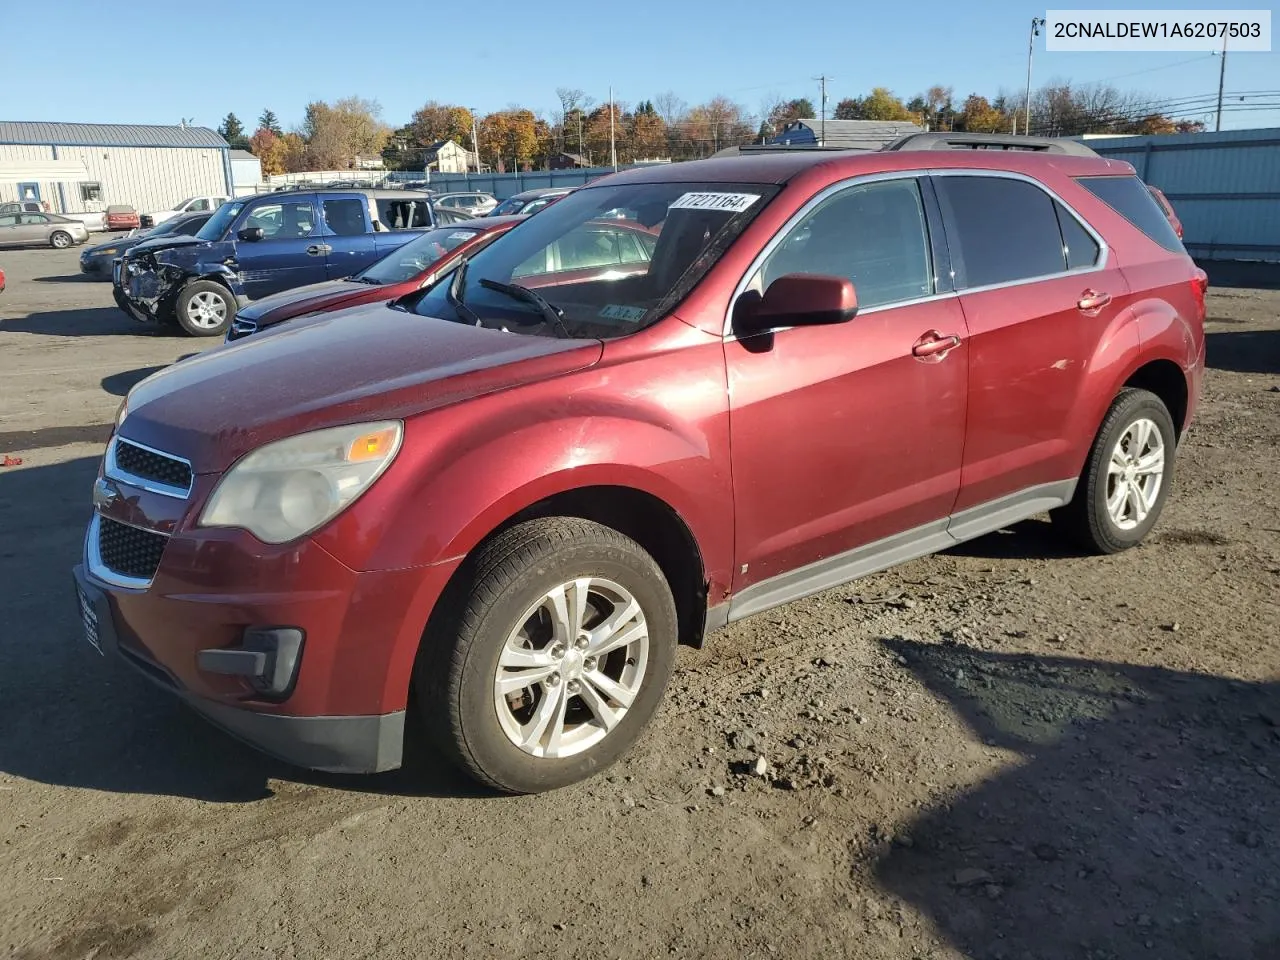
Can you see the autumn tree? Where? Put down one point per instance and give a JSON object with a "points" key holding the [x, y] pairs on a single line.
{"points": [[570, 102], [598, 129], [294, 153], [268, 121], [850, 108], [979, 116], [509, 137], [647, 136], [269, 148], [435, 121], [881, 104], [337, 135], [717, 123], [785, 112]]}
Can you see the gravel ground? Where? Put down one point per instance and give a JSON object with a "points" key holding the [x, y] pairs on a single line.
{"points": [[1005, 751]]}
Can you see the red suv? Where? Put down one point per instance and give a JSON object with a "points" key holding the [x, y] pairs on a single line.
{"points": [[495, 506]]}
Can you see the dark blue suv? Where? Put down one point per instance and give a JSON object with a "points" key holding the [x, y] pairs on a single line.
{"points": [[258, 245]]}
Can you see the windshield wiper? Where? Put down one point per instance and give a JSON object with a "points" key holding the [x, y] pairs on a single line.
{"points": [[553, 315], [453, 291], [368, 280]]}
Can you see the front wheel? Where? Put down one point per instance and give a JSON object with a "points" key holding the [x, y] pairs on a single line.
{"points": [[1126, 479], [60, 240], [205, 309], [557, 660]]}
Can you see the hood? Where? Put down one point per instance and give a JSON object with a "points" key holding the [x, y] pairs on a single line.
{"points": [[167, 242], [329, 294], [124, 243], [365, 363]]}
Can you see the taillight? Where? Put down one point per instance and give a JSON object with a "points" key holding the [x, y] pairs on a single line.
{"points": [[1199, 287]]}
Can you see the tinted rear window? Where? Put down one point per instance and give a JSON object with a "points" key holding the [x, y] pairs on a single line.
{"points": [[1004, 230], [1128, 197]]}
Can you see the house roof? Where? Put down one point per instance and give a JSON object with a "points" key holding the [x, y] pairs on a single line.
{"points": [[439, 145], [106, 135], [851, 134], [242, 155], [575, 157]]}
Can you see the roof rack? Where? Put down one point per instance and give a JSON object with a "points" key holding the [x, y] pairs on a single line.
{"points": [[989, 141]]}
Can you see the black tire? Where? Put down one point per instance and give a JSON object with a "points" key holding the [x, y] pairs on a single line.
{"points": [[1086, 521], [203, 288], [457, 667], [60, 240]]}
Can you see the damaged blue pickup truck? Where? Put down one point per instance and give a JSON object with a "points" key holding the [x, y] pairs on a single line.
{"points": [[259, 245]]}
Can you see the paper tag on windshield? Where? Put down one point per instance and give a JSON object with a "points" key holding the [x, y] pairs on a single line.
{"points": [[461, 235], [728, 202], [618, 311]]}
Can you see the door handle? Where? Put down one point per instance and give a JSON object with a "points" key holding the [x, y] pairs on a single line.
{"points": [[934, 344], [1091, 301], [318, 249]]}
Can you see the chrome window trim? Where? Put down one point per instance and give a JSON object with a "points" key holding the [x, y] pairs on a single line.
{"points": [[93, 557], [114, 471], [1102, 262]]}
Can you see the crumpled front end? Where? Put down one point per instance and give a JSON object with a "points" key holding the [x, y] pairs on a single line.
{"points": [[146, 283]]}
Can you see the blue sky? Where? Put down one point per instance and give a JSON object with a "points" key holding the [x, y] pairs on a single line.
{"points": [[157, 65]]}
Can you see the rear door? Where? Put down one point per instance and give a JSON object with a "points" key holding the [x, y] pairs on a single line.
{"points": [[347, 234], [1039, 292], [291, 251]]}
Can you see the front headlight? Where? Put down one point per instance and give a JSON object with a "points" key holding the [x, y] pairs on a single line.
{"points": [[291, 487], [123, 411], [109, 252]]}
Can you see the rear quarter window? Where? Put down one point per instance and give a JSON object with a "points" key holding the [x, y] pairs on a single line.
{"points": [[1128, 196]]}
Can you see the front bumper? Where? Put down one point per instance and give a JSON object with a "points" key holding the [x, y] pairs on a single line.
{"points": [[336, 744]]}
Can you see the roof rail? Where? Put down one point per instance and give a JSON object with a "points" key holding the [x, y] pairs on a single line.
{"points": [[989, 141]]}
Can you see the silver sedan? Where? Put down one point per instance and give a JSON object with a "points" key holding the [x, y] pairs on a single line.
{"points": [[45, 229]]}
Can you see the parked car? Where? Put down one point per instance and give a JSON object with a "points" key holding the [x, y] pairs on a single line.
{"points": [[530, 201], [41, 229], [474, 204], [120, 217], [189, 205], [408, 268], [1, 280], [516, 502], [1167, 207], [23, 206], [255, 246], [96, 261]]}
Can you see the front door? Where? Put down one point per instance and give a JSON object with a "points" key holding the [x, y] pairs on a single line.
{"points": [[29, 192], [291, 251], [348, 235], [845, 436], [1038, 295]]}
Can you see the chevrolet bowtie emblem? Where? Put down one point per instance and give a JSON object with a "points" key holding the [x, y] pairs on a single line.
{"points": [[104, 493]]}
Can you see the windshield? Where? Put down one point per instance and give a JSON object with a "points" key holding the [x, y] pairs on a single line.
{"points": [[417, 255], [181, 203], [509, 205], [605, 278], [220, 221]]}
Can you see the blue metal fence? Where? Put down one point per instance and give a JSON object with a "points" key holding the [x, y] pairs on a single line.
{"points": [[1225, 187], [503, 185]]}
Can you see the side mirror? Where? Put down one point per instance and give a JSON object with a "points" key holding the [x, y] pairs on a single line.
{"points": [[251, 234], [796, 300]]}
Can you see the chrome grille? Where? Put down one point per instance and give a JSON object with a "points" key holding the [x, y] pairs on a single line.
{"points": [[132, 461], [129, 551]]}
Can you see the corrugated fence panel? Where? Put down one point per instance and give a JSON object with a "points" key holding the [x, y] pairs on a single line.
{"points": [[1225, 187]]}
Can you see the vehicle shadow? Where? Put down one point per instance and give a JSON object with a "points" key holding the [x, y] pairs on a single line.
{"points": [[1249, 274], [1032, 539], [1138, 819], [1243, 351], [65, 278], [72, 718], [84, 322], [119, 384]]}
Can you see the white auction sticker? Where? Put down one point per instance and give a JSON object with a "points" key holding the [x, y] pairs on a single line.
{"points": [[728, 202], [461, 235]]}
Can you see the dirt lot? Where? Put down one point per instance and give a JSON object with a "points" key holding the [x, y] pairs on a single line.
{"points": [[1007, 751]]}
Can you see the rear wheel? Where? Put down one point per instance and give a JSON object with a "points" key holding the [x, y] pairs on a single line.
{"points": [[204, 309], [60, 240], [557, 660], [1126, 479]]}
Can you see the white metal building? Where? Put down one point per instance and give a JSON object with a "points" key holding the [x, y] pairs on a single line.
{"points": [[83, 167], [246, 172]]}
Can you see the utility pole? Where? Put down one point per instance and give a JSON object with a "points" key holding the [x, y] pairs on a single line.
{"points": [[475, 139], [613, 151], [1222, 76], [1036, 24], [822, 111]]}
